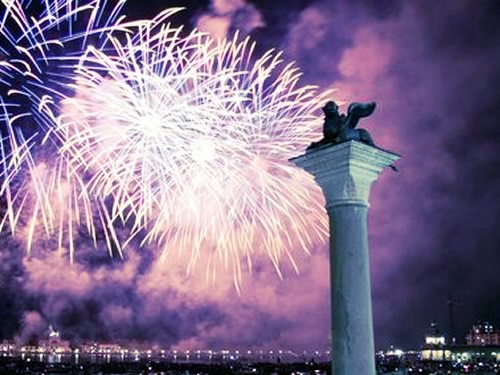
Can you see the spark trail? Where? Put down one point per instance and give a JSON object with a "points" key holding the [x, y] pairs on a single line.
{"points": [[180, 138], [190, 137], [41, 42]]}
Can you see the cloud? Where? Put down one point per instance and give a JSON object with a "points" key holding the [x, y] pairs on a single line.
{"points": [[159, 303], [227, 16], [11, 283], [33, 328], [429, 78]]}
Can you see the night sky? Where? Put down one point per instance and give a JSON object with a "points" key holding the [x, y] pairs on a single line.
{"points": [[434, 70]]}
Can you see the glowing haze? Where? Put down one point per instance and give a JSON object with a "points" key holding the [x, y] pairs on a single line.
{"points": [[182, 139], [41, 43], [191, 138]]}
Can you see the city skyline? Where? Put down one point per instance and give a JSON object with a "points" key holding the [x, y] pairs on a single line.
{"points": [[51, 341]]}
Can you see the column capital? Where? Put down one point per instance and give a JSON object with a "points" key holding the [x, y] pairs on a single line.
{"points": [[345, 171]]}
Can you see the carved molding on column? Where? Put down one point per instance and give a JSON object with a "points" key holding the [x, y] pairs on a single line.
{"points": [[345, 171]]}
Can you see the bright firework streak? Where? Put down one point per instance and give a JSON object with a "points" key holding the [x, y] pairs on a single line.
{"points": [[191, 138], [40, 44], [55, 198], [41, 41]]}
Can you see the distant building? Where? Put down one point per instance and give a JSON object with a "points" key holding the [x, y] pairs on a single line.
{"points": [[7, 348], [483, 346], [88, 348], [54, 343], [107, 348], [434, 348], [98, 348], [483, 334]]}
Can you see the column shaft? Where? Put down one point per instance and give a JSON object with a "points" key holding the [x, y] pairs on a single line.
{"points": [[345, 173], [352, 327]]}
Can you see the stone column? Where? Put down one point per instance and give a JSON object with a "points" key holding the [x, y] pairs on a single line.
{"points": [[345, 172]]}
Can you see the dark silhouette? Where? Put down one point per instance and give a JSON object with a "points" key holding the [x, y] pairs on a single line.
{"points": [[339, 128]]}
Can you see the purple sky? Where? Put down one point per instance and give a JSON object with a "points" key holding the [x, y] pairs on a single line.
{"points": [[433, 68]]}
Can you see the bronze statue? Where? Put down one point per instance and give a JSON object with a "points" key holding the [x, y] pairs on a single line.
{"points": [[339, 128]]}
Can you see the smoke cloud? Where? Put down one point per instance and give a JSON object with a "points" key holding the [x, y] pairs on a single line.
{"points": [[227, 16]]}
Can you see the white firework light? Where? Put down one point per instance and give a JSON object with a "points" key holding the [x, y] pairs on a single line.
{"points": [[41, 42], [186, 139]]}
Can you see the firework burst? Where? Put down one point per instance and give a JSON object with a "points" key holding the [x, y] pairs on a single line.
{"points": [[190, 138], [41, 42], [182, 138]]}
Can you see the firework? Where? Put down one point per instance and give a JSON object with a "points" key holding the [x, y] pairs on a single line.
{"points": [[190, 138], [41, 42], [181, 138]]}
